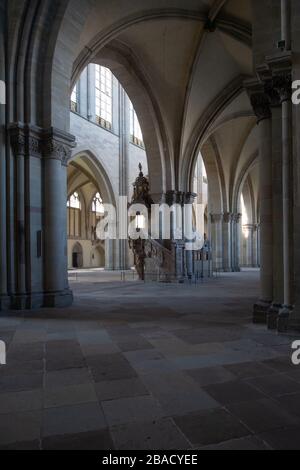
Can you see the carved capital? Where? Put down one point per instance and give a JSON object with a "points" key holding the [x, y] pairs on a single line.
{"points": [[173, 197], [58, 145], [54, 149], [216, 218], [33, 141], [236, 218], [283, 85], [18, 143], [261, 106], [25, 140], [272, 93], [189, 198], [227, 217]]}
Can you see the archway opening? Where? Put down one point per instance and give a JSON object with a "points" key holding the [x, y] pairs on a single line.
{"points": [[104, 165]]}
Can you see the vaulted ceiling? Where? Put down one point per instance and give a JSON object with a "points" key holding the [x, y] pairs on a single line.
{"points": [[193, 60]]}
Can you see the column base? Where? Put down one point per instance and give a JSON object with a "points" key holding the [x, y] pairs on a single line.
{"points": [[283, 319], [272, 316], [19, 302], [260, 312], [30, 301], [60, 299], [5, 303]]}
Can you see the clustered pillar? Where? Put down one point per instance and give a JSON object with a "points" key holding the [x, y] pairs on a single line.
{"points": [[273, 91], [38, 277]]}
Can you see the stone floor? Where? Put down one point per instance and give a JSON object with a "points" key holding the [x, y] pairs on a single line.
{"points": [[135, 366]]}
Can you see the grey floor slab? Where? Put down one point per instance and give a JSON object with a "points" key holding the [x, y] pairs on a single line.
{"points": [[136, 409], [178, 393], [20, 427], [262, 415], [92, 440], [110, 367], [233, 392], [244, 443], [247, 370], [158, 435], [20, 383], [275, 385], [282, 439], [211, 427], [290, 403], [70, 395], [114, 389], [211, 375], [73, 419], [16, 402], [67, 377]]}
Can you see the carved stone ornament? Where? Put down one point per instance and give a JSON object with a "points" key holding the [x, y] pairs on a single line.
{"points": [[34, 146], [227, 217], [56, 150], [283, 85], [261, 106], [18, 142], [272, 93]]}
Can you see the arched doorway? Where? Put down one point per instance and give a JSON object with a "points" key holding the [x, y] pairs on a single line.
{"points": [[77, 256]]}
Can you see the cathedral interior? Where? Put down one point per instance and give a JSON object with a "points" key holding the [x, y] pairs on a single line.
{"points": [[154, 343]]}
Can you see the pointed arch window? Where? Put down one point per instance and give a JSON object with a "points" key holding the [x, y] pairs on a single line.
{"points": [[97, 204], [97, 213], [136, 135], [75, 100], [103, 96], [74, 201], [74, 216]]}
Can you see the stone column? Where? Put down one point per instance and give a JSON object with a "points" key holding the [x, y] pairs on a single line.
{"points": [[189, 200], [281, 68], [286, 23], [255, 246], [216, 240], [124, 126], [4, 303], [236, 242], [109, 254], [272, 316], [176, 198], [227, 241], [56, 152], [261, 105], [250, 230], [18, 140], [258, 245], [284, 86]]}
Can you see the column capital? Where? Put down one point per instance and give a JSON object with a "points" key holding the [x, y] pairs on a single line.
{"points": [[283, 85], [227, 217], [259, 98], [173, 197], [58, 145], [216, 218], [236, 218], [37, 142], [189, 198], [280, 68], [25, 140]]}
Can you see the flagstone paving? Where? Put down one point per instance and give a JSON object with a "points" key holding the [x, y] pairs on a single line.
{"points": [[149, 366]]}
